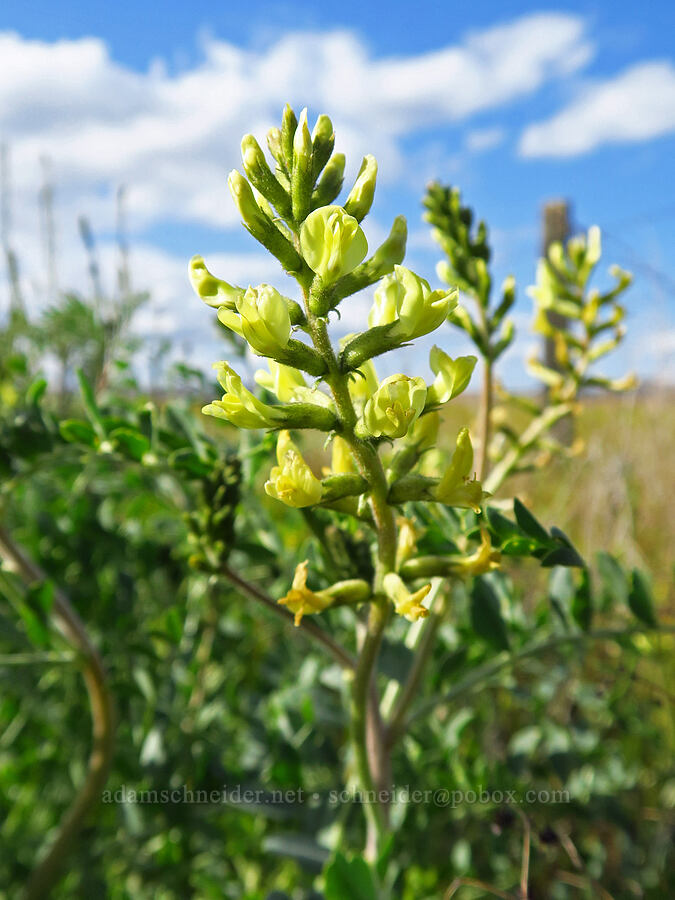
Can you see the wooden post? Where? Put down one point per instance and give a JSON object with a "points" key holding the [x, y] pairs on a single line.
{"points": [[556, 227]]}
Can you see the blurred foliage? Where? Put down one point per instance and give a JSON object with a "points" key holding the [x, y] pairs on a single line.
{"points": [[133, 508]]}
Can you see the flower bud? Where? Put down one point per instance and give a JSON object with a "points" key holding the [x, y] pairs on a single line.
{"points": [[406, 604], [360, 197], [292, 481], [407, 300], [261, 177], [242, 194], [393, 408], [323, 141], [332, 242], [262, 318], [455, 487], [274, 144], [289, 123], [212, 290], [452, 375], [330, 183], [239, 406]]}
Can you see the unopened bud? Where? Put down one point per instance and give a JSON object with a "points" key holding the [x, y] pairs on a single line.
{"points": [[360, 197]]}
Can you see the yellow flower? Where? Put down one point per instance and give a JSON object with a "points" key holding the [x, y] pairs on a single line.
{"points": [[332, 242], [261, 318], [212, 290], [406, 604], [408, 533], [281, 380], [406, 299], [452, 375], [239, 406], [302, 601], [484, 560], [424, 432], [292, 481], [394, 406], [342, 459], [455, 487]]}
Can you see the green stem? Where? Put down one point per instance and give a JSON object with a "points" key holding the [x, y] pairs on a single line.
{"points": [[543, 423], [485, 415], [370, 755]]}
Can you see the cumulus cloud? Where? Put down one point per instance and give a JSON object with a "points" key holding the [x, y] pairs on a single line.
{"points": [[484, 139], [636, 105], [171, 136]]}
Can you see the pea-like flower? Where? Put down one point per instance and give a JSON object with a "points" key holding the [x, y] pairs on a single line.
{"points": [[292, 481], [455, 487], [407, 300], [394, 407], [452, 375], [333, 243], [406, 604], [302, 601], [239, 406], [261, 318], [213, 291], [290, 386]]}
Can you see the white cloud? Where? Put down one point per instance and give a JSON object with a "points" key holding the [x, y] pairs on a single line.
{"points": [[484, 139], [636, 105], [172, 137]]}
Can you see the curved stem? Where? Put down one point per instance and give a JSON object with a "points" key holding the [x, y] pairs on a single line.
{"points": [[46, 875]]}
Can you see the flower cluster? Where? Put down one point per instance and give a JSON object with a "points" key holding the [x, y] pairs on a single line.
{"points": [[379, 430]]}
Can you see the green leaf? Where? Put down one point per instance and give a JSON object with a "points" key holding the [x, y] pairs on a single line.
{"points": [[77, 431], [132, 442], [562, 556], [502, 527], [486, 616], [613, 580], [528, 523], [519, 546], [351, 879], [582, 602], [640, 599], [36, 391]]}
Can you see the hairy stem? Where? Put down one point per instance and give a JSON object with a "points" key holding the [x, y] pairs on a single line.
{"points": [[370, 750], [46, 875]]}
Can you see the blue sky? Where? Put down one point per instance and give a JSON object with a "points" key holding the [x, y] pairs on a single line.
{"points": [[515, 103]]}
